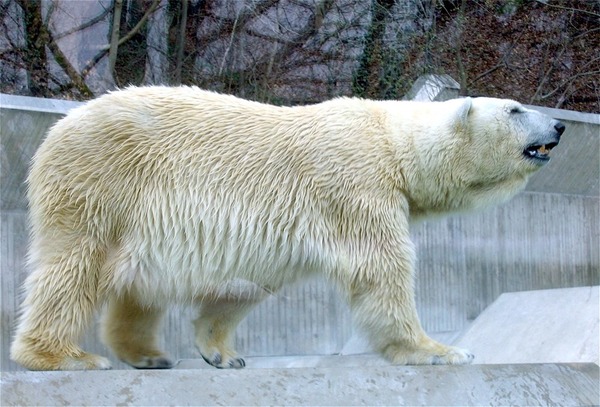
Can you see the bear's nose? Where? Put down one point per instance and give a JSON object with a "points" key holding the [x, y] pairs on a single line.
{"points": [[560, 128]]}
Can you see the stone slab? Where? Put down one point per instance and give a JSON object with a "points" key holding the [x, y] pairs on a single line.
{"points": [[366, 360], [544, 326], [547, 384]]}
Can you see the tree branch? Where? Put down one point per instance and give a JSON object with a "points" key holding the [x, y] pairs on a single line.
{"points": [[85, 25], [64, 63], [568, 81], [114, 36], [137, 27], [546, 3], [181, 41], [242, 19], [104, 49], [310, 28]]}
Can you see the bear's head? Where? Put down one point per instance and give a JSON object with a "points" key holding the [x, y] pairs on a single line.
{"points": [[486, 150], [502, 128]]}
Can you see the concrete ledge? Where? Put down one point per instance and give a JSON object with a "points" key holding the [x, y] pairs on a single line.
{"points": [[550, 384], [28, 103], [568, 115], [543, 326]]}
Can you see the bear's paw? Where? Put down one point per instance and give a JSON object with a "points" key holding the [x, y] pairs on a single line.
{"points": [[87, 361], [43, 356], [219, 362], [157, 362], [454, 356], [428, 352]]}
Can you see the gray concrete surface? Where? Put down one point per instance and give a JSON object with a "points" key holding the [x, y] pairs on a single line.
{"points": [[545, 326], [493, 385], [24, 122], [433, 87], [573, 168]]}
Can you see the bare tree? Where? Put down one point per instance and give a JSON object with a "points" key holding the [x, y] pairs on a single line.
{"points": [[34, 54], [38, 38], [180, 45], [301, 51], [369, 80], [114, 36], [537, 52], [282, 51]]}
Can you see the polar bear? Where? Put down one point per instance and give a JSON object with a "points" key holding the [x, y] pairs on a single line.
{"points": [[157, 195]]}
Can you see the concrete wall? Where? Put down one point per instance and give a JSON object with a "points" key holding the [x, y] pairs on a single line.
{"points": [[547, 237]]}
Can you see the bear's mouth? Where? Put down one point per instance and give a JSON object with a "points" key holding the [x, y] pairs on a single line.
{"points": [[539, 151]]}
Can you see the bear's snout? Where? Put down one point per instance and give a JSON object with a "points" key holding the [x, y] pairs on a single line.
{"points": [[539, 150]]}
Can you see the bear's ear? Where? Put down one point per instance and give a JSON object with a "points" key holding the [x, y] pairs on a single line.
{"points": [[462, 112]]}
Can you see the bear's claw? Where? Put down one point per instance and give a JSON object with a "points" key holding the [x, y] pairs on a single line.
{"points": [[217, 361], [86, 361], [428, 353], [456, 356], [160, 362]]}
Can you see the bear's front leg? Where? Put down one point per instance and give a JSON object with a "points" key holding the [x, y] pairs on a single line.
{"points": [[382, 301]]}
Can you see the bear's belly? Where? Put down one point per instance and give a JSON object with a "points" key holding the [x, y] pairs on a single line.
{"points": [[168, 270]]}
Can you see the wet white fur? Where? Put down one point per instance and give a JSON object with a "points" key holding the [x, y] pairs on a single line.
{"points": [[155, 195]]}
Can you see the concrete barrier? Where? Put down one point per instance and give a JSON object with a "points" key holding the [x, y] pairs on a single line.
{"points": [[543, 326], [493, 385]]}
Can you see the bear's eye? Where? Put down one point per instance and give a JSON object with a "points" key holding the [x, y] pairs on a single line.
{"points": [[516, 109]]}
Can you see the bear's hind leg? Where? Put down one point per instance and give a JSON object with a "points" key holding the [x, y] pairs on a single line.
{"points": [[61, 298], [215, 330], [130, 330]]}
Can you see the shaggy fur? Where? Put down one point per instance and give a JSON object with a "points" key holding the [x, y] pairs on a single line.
{"points": [[150, 196]]}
